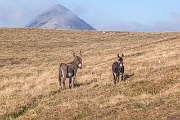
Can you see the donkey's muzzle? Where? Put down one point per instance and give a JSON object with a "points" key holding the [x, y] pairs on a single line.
{"points": [[80, 66]]}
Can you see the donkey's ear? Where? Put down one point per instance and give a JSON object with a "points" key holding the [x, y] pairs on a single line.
{"points": [[122, 55], [80, 53], [74, 54], [118, 55]]}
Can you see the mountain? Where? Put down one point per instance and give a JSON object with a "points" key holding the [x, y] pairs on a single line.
{"points": [[59, 17]]}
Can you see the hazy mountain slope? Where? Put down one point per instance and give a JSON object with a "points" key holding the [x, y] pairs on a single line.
{"points": [[59, 17]]}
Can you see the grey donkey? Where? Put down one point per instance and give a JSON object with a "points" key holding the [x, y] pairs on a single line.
{"points": [[118, 69], [69, 70]]}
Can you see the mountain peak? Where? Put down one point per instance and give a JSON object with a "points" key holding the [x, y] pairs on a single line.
{"points": [[58, 8], [59, 17]]}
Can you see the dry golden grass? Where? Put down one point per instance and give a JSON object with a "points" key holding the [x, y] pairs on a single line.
{"points": [[29, 60]]}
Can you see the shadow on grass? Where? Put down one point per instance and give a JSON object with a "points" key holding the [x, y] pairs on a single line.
{"points": [[75, 85], [2, 65], [127, 76], [85, 83]]}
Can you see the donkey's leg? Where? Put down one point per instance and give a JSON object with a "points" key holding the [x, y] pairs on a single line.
{"points": [[64, 87], [73, 78], [114, 75], [59, 86], [75, 82], [122, 74], [63, 81], [60, 75], [64, 73], [117, 78], [70, 82]]}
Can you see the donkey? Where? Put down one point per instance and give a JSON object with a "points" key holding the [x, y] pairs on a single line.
{"points": [[69, 70], [118, 69]]}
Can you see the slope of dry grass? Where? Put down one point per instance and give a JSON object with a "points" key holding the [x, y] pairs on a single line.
{"points": [[29, 60]]}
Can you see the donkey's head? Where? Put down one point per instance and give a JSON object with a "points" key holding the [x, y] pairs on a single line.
{"points": [[78, 60], [120, 58]]}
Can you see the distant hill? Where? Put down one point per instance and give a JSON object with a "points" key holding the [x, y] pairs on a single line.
{"points": [[59, 17]]}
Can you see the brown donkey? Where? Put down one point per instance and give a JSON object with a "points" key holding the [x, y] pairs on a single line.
{"points": [[118, 69], [68, 70]]}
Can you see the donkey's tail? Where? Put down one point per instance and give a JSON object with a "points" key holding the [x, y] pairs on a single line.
{"points": [[59, 77], [60, 71]]}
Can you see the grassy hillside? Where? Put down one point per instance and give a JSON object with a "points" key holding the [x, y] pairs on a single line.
{"points": [[29, 60]]}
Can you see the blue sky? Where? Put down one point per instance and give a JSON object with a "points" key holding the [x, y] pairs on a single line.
{"points": [[116, 15]]}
